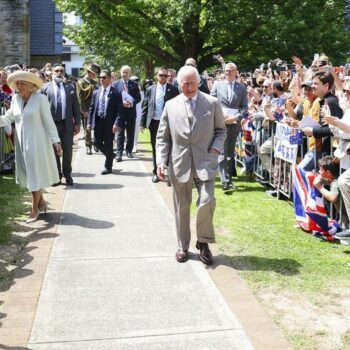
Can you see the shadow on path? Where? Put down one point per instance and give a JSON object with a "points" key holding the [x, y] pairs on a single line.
{"points": [[286, 267], [82, 221], [5, 347], [83, 175], [78, 186]]}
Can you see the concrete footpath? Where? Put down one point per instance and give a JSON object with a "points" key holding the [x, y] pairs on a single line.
{"points": [[112, 281]]}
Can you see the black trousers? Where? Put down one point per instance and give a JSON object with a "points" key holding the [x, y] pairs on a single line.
{"points": [[66, 139], [103, 136], [129, 128], [153, 129]]}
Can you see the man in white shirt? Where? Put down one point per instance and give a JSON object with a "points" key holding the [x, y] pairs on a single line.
{"points": [[152, 109]]}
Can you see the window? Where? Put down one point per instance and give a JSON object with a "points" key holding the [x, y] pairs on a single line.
{"points": [[66, 57]]}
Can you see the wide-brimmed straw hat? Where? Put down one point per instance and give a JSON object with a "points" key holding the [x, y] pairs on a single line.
{"points": [[23, 76]]}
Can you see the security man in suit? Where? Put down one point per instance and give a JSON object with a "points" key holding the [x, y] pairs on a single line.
{"points": [[65, 112], [128, 88], [106, 117], [234, 101], [152, 109], [85, 88]]}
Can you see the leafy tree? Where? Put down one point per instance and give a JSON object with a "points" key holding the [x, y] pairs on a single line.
{"points": [[248, 32]]}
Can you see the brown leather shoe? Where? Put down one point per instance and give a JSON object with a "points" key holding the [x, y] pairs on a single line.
{"points": [[181, 256], [205, 255]]}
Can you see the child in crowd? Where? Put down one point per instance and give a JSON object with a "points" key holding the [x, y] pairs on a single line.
{"points": [[328, 178]]}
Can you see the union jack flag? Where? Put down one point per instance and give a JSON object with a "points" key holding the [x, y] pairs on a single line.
{"points": [[310, 211]]}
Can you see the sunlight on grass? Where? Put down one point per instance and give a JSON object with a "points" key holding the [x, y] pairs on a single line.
{"points": [[12, 205], [258, 235]]}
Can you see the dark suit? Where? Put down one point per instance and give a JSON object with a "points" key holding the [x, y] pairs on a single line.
{"points": [[129, 116], [103, 125], [237, 100], [148, 114], [65, 127]]}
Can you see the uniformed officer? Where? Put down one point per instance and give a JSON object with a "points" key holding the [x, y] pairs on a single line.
{"points": [[85, 88]]}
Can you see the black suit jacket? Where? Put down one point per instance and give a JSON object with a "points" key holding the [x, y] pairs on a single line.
{"points": [[149, 102], [72, 112], [114, 110], [134, 91]]}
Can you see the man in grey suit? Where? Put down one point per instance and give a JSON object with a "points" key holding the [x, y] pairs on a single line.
{"points": [[234, 101], [65, 112], [152, 107], [190, 137]]}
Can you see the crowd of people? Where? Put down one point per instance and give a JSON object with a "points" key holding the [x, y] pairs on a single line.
{"points": [[313, 101]]}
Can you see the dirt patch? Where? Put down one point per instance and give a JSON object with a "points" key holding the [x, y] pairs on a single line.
{"points": [[323, 320]]}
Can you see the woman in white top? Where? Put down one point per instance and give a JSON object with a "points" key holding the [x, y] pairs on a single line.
{"points": [[35, 134]]}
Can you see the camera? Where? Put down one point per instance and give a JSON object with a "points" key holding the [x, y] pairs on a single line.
{"points": [[322, 63]]}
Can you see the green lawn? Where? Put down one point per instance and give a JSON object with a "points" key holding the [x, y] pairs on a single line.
{"points": [[12, 205], [259, 237]]}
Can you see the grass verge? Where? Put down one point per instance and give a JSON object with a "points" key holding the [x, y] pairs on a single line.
{"points": [[12, 208]]}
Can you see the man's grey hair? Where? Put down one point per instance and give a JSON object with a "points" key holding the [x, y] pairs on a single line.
{"points": [[185, 70]]}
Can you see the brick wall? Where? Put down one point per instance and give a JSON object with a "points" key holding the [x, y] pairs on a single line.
{"points": [[14, 29]]}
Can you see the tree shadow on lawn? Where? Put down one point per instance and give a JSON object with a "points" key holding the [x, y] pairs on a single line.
{"points": [[286, 267]]}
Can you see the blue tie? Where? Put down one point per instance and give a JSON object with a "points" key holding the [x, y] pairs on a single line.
{"points": [[58, 103], [103, 103]]}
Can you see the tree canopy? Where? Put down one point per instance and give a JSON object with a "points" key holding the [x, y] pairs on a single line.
{"points": [[249, 32]]}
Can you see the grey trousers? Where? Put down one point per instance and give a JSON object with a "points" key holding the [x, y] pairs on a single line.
{"points": [[182, 198], [265, 152], [226, 158], [344, 186]]}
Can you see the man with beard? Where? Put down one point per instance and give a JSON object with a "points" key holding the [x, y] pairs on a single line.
{"points": [[65, 112]]}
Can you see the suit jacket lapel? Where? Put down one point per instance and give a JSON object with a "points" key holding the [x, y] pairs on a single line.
{"points": [[198, 110]]}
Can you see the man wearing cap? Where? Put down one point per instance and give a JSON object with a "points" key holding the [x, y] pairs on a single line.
{"points": [[85, 88], [65, 112], [131, 97], [152, 108]]}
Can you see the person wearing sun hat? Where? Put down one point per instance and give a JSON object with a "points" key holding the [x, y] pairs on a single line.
{"points": [[35, 134]]}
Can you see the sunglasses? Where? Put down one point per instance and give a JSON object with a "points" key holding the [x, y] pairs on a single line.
{"points": [[104, 77], [346, 90], [265, 87], [162, 75], [59, 70]]}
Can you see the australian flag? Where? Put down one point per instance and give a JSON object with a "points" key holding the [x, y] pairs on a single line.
{"points": [[309, 207], [296, 137]]}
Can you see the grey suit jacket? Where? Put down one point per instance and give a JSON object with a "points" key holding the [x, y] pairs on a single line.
{"points": [[73, 116], [187, 148], [238, 100]]}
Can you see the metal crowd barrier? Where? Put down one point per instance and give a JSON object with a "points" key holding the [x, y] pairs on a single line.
{"points": [[280, 176]]}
